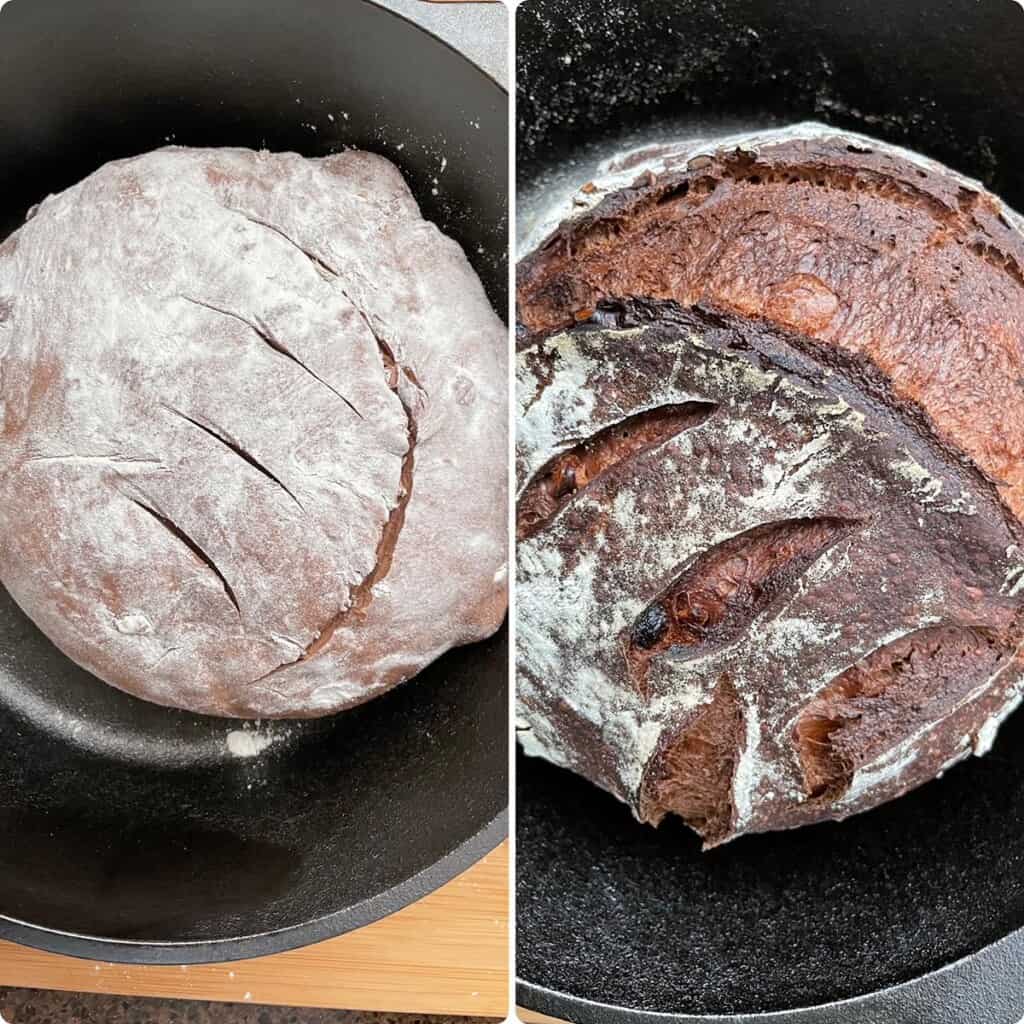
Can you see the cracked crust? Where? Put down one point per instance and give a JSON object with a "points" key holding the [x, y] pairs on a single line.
{"points": [[862, 247], [807, 543], [812, 601], [252, 412]]}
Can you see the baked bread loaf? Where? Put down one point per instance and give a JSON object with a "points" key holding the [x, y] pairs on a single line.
{"points": [[253, 444], [771, 480]]}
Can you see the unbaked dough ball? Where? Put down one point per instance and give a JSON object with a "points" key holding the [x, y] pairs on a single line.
{"points": [[252, 410]]}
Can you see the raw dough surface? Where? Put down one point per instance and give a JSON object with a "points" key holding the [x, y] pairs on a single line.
{"points": [[252, 410]]}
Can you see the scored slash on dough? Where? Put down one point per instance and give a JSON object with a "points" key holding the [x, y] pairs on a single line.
{"points": [[261, 330], [176, 531], [117, 461], [328, 273], [363, 593], [236, 448]]}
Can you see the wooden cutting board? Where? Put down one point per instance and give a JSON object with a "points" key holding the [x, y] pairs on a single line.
{"points": [[446, 954]]}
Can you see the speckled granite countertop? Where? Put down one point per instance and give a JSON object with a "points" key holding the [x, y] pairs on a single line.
{"points": [[30, 1006]]}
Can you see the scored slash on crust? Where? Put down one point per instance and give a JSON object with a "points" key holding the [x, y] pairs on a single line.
{"points": [[569, 473], [692, 771], [888, 695], [713, 600]]}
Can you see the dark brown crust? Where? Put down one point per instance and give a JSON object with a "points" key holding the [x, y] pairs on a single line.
{"points": [[894, 547], [860, 250], [692, 771], [888, 696], [566, 475], [803, 359], [716, 597]]}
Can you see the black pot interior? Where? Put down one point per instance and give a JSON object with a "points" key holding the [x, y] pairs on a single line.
{"points": [[940, 76], [617, 913], [127, 822]]}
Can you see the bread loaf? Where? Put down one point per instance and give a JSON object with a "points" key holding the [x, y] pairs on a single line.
{"points": [[771, 468], [253, 445]]}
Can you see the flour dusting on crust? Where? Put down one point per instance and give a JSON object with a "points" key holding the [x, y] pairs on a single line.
{"points": [[778, 449]]}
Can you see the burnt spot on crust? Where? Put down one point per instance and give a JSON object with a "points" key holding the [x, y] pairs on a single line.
{"points": [[716, 597], [691, 773], [566, 475], [888, 696], [650, 627]]}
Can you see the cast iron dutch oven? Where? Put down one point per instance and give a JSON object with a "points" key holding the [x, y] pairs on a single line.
{"points": [[912, 913], [128, 831]]}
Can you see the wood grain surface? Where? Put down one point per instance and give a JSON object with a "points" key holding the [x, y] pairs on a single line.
{"points": [[530, 1017], [446, 954]]}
